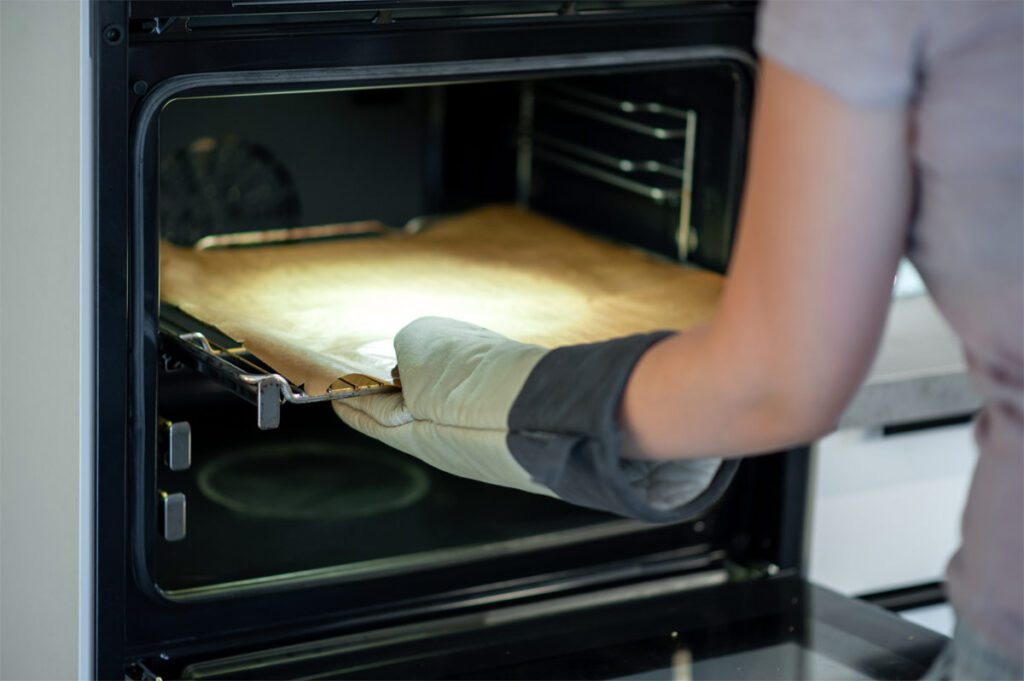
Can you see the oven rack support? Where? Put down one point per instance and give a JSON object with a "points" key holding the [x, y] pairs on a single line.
{"points": [[658, 180], [236, 370]]}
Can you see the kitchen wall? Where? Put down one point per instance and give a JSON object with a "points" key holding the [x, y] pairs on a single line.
{"points": [[45, 251]]}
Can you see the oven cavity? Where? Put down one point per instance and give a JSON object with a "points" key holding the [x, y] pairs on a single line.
{"points": [[647, 157]]}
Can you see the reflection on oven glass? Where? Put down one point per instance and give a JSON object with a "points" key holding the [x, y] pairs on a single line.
{"points": [[786, 660], [315, 495], [659, 659], [312, 480]]}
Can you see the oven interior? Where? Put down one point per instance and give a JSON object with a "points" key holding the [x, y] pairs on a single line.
{"points": [[650, 158]]}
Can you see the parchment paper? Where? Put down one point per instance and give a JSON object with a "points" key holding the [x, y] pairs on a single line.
{"points": [[317, 311]]}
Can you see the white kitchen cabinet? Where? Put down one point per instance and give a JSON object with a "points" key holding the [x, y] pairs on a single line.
{"points": [[885, 510]]}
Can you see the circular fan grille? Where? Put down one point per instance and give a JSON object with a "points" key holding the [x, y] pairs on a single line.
{"points": [[220, 185]]}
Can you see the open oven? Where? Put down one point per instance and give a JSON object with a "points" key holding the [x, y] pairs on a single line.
{"points": [[243, 530]]}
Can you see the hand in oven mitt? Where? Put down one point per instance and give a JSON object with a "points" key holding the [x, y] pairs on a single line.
{"points": [[482, 406]]}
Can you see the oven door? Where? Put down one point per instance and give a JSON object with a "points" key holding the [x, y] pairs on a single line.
{"points": [[675, 628]]}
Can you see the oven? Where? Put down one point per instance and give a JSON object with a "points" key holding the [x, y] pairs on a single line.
{"points": [[243, 531]]}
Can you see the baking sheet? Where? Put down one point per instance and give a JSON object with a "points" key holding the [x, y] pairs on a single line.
{"points": [[317, 311]]}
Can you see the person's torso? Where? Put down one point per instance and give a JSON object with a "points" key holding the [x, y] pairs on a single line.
{"points": [[968, 243]]}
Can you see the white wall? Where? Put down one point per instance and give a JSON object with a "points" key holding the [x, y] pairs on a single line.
{"points": [[45, 475]]}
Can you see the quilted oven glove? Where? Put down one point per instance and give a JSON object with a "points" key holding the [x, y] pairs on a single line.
{"points": [[481, 406]]}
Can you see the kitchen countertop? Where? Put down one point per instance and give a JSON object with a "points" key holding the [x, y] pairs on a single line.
{"points": [[919, 372]]}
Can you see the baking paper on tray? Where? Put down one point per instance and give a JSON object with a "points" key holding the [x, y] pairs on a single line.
{"points": [[317, 311]]}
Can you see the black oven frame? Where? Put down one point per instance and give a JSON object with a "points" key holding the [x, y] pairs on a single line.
{"points": [[131, 65]]}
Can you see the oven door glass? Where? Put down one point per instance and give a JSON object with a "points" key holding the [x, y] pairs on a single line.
{"points": [[311, 501], [314, 501], [782, 628]]}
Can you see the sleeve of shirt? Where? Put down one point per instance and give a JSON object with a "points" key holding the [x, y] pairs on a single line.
{"points": [[863, 51]]}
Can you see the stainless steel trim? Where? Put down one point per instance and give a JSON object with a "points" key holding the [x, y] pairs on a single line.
{"points": [[268, 401], [173, 516], [178, 456]]}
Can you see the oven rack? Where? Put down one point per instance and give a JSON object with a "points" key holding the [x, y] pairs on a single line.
{"points": [[672, 130], [236, 369], [589, 162], [621, 113]]}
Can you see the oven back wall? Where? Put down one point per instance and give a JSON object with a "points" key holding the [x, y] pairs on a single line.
{"points": [[326, 157], [45, 336]]}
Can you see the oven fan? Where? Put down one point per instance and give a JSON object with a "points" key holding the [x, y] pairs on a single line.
{"points": [[222, 185]]}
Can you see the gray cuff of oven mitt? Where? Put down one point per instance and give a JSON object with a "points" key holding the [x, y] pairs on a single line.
{"points": [[479, 405], [563, 430]]}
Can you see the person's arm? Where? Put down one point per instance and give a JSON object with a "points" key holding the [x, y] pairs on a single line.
{"points": [[821, 233], [822, 228]]}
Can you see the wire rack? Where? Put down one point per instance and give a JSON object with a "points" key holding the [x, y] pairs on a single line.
{"points": [[186, 342], [665, 180]]}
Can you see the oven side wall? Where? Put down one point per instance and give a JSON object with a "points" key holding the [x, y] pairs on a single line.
{"points": [[45, 342]]}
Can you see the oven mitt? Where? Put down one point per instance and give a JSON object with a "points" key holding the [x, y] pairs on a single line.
{"points": [[482, 406]]}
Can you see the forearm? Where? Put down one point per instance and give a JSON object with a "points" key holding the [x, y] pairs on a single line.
{"points": [[687, 398], [821, 230]]}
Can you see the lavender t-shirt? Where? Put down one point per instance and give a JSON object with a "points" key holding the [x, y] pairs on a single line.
{"points": [[958, 68]]}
